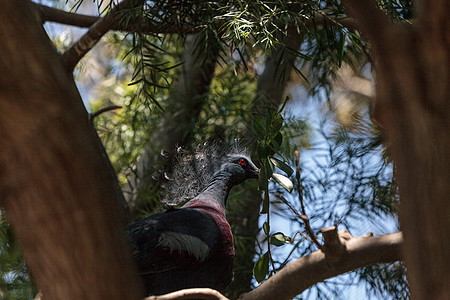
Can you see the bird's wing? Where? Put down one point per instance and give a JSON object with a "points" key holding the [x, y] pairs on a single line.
{"points": [[173, 239]]}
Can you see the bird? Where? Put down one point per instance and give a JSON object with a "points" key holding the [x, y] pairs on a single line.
{"points": [[192, 246]]}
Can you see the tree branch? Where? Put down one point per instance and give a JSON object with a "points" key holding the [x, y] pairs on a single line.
{"points": [[197, 293], [146, 26], [306, 271], [103, 110], [72, 56], [50, 14], [55, 186]]}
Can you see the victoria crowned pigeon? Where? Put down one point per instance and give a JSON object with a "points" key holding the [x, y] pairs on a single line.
{"points": [[191, 246]]}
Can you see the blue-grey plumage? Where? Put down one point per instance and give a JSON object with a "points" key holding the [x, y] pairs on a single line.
{"points": [[191, 246]]}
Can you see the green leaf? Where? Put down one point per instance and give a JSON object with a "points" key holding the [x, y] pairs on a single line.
{"points": [[266, 228], [261, 268], [279, 239], [283, 181], [282, 166]]}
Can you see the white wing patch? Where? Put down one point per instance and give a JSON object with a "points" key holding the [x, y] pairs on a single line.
{"points": [[184, 242]]}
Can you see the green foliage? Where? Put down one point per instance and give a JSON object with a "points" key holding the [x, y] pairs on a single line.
{"points": [[267, 129]]}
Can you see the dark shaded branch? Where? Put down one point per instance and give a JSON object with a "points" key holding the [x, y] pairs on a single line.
{"points": [[50, 14], [146, 26], [306, 271]]}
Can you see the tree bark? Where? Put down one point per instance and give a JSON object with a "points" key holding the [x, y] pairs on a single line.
{"points": [[306, 271], [54, 180], [412, 104]]}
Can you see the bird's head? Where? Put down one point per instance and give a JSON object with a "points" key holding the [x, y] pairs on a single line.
{"points": [[194, 171], [239, 168]]}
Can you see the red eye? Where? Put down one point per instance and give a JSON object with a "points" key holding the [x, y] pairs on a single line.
{"points": [[242, 162]]}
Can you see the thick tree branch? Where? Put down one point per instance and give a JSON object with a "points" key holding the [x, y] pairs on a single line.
{"points": [[318, 266], [412, 75], [197, 293], [54, 181]]}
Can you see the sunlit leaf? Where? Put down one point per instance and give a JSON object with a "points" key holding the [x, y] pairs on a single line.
{"points": [[279, 239], [282, 166], [283, 181]]}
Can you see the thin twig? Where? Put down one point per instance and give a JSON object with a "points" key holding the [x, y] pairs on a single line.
{"points": [[51, 14], [302, 216], [103, 110], [305, 220]]}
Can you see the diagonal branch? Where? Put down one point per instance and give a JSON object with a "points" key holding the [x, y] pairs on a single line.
{"points": [[306, 271], [50, 14], [71, 57]]}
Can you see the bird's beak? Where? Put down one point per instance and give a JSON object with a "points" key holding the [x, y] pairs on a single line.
{"points": [[255, 173]]}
